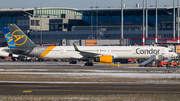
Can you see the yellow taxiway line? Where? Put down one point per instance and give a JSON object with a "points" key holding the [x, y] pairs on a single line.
{"points": [[27, 91], [124, 65]]}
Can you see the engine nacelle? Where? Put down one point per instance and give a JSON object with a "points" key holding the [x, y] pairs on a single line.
{"points": [[105, 59]]}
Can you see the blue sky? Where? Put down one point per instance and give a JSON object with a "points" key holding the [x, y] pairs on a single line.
{"points": [[77, 3]]}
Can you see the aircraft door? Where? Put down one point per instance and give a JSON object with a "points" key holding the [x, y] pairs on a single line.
{"points": [[62, 51], [98, 50], [35, 51], [133, 50], [162, 51]]}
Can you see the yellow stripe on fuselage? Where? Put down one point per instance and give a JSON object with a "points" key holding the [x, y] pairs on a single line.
{"points": [[47, 51]]}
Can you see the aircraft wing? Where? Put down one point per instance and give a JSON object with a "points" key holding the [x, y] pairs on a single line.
{"points": [[87, 54]]}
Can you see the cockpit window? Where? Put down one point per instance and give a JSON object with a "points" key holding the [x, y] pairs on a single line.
{"points": [[170, 50]]}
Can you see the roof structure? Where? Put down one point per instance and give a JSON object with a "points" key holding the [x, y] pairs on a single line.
{"points": [[85, 9]]}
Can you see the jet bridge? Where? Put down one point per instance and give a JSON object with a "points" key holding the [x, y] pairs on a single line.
{"points": [[151, 59]]}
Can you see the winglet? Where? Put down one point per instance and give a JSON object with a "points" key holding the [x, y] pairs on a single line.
{"points": [[75, 47]]}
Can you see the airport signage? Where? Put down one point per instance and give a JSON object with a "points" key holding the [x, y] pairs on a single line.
{"points": [[147, 51], [178, 49], [91, 42]]}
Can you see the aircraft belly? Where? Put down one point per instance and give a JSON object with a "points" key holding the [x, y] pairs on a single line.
{"points": [[125, 55]]}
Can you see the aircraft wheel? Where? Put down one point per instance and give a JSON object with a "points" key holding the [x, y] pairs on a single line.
{"points": [[73, 62], [88, 64], [85, 64], [13, 59]]}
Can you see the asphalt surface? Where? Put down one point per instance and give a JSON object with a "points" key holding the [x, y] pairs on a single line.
{"points": [[19, 88], [80, 65], [86, 89]]}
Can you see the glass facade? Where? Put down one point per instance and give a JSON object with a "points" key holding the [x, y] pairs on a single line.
{"points": [[108, 19], [131, 15], [12, 16], [111, 28], [56, 12], [56, 37]]}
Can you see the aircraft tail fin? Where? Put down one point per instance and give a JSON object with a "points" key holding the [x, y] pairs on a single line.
{"points": [[8, 37], [20, 38]]}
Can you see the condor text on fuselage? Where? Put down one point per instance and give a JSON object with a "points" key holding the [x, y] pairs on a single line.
{"points": [[147, 51]]}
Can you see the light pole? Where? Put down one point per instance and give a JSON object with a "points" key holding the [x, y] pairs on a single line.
{"points": [[121, 19], [146, 18], [36, 24], [178, 21], [97, 22], [174, 20], [156, 23], [143, 25], [41, 24], [91, 21]]}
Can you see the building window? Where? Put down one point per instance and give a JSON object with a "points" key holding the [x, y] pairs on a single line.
{"points": [[19, 22], [65, 26], [37, 23], [32, 22], [56, 26], [27, 22], [51, 27], [23, 23], [63, 15], [60, 27]]}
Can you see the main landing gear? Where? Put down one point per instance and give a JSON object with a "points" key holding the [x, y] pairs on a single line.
{"points": [[89, 63], [73, 61]]}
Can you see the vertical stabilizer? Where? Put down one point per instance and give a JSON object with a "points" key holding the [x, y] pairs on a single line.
{"points": [[8, 37], [20, 39]]}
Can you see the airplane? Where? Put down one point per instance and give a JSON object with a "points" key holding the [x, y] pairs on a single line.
{"points": [[3, 53], [106, 54], [8, 37]]}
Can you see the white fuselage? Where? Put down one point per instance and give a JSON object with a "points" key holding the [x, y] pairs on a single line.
{"points": [[60, 52], [5, 54]]}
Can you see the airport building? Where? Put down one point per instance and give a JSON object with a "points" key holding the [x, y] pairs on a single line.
{"points": [[59, 25]]}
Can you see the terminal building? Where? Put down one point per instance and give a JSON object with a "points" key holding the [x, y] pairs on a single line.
{"points": [[67, 25]]}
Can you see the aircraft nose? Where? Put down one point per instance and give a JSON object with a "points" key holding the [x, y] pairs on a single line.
{"points": [[175, 54]]}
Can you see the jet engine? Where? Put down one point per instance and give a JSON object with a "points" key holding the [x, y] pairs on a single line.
{"points": [[105, 59], [13, 56]]}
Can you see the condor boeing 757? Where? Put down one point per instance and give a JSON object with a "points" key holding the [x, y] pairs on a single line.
{"points": [[2, 49], [106, 54]]}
